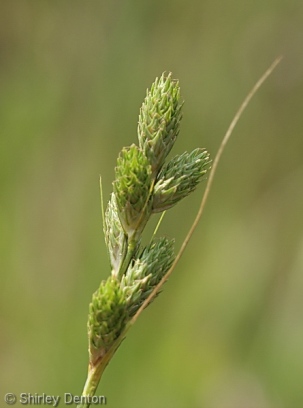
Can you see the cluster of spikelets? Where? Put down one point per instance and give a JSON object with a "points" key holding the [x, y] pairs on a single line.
{"points": [[145, 183]]}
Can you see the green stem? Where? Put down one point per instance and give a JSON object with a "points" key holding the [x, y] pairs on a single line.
{"points": [[135, 236], [91, 384], [95, 373], [131, 249]]}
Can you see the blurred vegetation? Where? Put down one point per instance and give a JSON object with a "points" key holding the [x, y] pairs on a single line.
{"points": [[228, 329]]}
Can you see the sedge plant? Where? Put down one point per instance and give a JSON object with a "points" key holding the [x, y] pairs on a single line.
{"points": [[146, 183]]}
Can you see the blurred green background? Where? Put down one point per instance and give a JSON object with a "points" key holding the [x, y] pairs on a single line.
{"points": [[228, 330]]}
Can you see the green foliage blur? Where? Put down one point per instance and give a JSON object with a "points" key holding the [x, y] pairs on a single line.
{"points": [[227, 331]]}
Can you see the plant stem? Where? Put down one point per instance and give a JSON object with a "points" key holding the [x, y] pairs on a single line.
{"points": [[131, 249], [91, 384], [95, 373]]}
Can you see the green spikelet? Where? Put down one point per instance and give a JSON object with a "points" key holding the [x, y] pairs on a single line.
{"points": [[132, 189], [107, 318], [159, 120], [115, 237], [179, 177], [146, 272]]}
